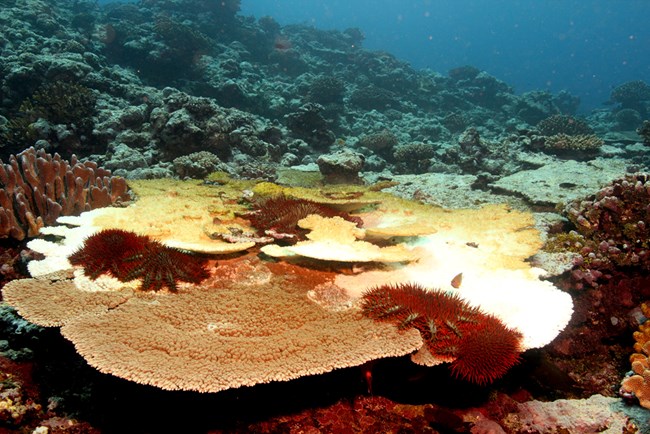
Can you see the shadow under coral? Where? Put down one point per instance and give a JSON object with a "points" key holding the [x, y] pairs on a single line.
{"points": [[111, 404]]}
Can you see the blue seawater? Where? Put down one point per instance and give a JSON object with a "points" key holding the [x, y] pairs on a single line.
{"points": [[586, 47]]}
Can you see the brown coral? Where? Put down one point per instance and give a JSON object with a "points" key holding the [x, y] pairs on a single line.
{"points": [[250, 324], [564, 124], [572, 144], [37, 188]]}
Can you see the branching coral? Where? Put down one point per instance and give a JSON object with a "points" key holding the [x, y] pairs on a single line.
{"points": [[181, 38], [128, 256], [37, 188], [58, 102], [480, 347], [638, 384], [326, 90]]}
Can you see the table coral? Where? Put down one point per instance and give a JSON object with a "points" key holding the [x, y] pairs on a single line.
{"points": [[251, 323], [254, 320]]}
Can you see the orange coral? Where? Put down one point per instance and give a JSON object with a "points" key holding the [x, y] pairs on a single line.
{"points": [[639, 383]]}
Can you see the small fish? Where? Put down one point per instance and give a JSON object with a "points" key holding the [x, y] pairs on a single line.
{"points": [[457, 280]]}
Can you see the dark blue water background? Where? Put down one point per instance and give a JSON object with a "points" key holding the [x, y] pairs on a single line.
{"points": [[583, 46]]}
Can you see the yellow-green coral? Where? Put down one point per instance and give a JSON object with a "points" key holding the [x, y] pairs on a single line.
{"points": [[571, 242], [14, 408], [559, 143]]}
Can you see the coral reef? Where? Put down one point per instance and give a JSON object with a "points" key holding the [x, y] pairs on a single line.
{"points": [[308, 124], [164, 88], [59, 112], [480, 346], [197, 165], [413, 157], [15, 407], [326, 90], [632, 94], [37, 188], [383, 141]]}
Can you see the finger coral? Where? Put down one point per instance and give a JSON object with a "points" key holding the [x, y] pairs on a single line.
{"points": [[37, 188], [480, 347], [129, 256]]}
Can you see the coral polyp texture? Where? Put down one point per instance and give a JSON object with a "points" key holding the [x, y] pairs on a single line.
{"points": [[36, 188], [638, 384], [278, 217], [613, 228], [480, 347], [129, 256]]}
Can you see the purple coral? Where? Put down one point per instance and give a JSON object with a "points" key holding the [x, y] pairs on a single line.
{"points": [[615, 226]]}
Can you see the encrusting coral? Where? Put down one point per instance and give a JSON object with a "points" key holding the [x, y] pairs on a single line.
{"points": [[638, 384], [480, 347], [37, 188]]}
